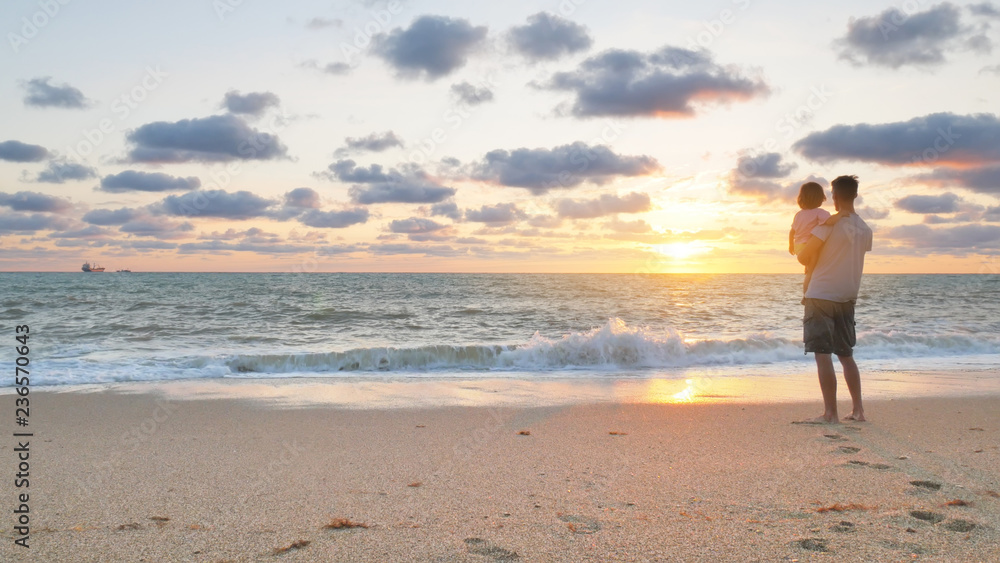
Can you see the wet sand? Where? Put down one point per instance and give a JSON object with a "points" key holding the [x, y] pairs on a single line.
{"points": [[146, 477]]}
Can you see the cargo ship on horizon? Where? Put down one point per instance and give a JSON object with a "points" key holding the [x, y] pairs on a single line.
{"points": [[95, 267]]}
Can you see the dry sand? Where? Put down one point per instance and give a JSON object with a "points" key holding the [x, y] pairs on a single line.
{"points": [[130, 478]]}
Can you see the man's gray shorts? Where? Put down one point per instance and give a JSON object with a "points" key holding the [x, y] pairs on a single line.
{"points": [[828, 327]]}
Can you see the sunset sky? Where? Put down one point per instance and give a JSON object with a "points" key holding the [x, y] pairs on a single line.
{"points": [[560, 136]]}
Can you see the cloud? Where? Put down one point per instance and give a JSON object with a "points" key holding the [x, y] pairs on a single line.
{"points": [[374, 142], [209, 139], [982, 179], [323, 23], [470, 95], [495, 215], [23, 223], [415, 225], [111, 217], [548, 37], [157, 227], [944, 203], [384, 186], [303, 198], [59, 171], [755, 176], [606, 204], [935, 139], [671, 82], [334, 219], [427, 250], [447, 209], [893, 38], [253, 103], [16, 151], [947, 239], [215, 203], [34, 201], [566, 166], [40, 93], [337, 68], [91, 232], [432, 47], [134, 180], [638, 226]]}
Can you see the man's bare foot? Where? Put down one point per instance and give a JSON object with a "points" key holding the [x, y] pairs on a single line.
{"points": [[856, 417], [819, 420]]}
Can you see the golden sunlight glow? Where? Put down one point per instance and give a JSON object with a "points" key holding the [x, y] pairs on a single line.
{"points": [[682, 250], [665, 391]]}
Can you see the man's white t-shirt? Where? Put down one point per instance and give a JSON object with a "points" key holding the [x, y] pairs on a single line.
{"points": [[837, 276]]}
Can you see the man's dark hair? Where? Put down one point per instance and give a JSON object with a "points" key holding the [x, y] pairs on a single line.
{"points": [[845, 186]]}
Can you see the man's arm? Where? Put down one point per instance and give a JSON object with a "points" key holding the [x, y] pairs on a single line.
{"points": [[810, 253]]}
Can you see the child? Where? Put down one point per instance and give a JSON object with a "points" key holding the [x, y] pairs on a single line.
{"points": [[811, 196]]}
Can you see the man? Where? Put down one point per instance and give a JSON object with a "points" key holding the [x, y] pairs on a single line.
{"points": [[836, 256]]}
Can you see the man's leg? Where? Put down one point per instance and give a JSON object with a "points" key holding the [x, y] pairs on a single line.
{"points": [[827, 384], [853, 377]]}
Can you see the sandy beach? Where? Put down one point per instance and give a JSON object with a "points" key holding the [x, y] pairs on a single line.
{"points": [[146, 477]]}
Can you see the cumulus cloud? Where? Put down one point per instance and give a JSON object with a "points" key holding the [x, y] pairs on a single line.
{"points": [[671, 82], [108, 217], [432, 47], [209, 139], [334, 219], [495, 215], [548, 36], [756, 175], [34, 201], [303, 198], [606, 204], [25, 223], [253, 103], [944, 203], [447, 209], [893, 38], [982, 179], [137, 181], [156, 227], [947, 239], [415, 226], [16, 151], [935, 139], [39, 92], [61, 171], [91, 232], [337, 68], [215, 203], [566, 166], [638, 226], [469, 94], [376, 185], [373, 142]]}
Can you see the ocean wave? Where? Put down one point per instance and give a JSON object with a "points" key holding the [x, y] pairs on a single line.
{"points": [[613, 346]]}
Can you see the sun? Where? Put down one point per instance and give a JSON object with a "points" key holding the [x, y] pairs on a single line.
{"points": [[682, 250]]}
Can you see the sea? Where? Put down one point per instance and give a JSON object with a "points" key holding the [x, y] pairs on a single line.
{"points": [[132, 327]]}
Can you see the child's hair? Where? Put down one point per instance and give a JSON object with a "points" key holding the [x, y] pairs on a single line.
{"points": [[811, 195]]}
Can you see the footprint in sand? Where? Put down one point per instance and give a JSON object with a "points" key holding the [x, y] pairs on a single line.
{"points": [[927, 516], [479, 546], [908, 547], [812, 544], [959, 525], [843, 527], [835, 437], [879, 466], [930, 485], [849, 449], [581, 525]]}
